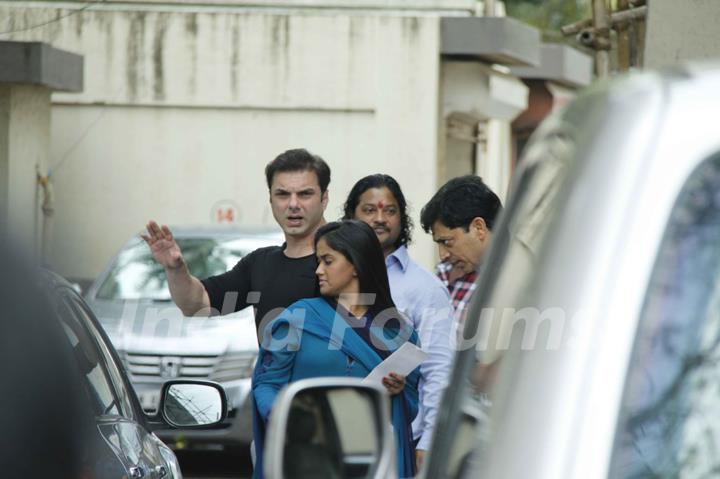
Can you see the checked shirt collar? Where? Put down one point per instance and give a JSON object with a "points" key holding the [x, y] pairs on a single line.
{"points": [[461, 291]]}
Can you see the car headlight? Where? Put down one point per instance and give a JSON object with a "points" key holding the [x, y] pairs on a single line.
{"points": [[234, 366], [172, 462]]}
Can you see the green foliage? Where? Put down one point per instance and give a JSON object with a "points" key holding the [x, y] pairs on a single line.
{"points": [[549, 15]]}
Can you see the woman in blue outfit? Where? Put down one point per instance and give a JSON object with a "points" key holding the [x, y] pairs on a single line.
{"points": [[335, 336]]}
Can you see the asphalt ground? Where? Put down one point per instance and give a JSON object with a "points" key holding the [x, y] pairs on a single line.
{"points": [[214, 464]]}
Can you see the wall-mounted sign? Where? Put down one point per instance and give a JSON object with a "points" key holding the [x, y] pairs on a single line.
{"points": [[225, 212]]}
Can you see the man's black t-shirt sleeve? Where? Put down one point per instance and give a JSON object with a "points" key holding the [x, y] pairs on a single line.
{"points": [[228, 291]]}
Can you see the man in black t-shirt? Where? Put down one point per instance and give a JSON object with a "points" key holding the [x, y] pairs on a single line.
{"points": [[273, 281], [269, 278]]}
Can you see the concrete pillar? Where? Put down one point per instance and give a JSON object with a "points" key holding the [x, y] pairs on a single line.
{"points": [[24, 151], [29, 73], [494, 164]]}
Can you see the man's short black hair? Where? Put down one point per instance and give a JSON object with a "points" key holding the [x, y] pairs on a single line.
{"points": [[459, 201], [299, 159], [380, 181]]}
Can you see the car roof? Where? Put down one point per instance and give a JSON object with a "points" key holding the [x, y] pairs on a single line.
{"points": [[264, 235], [219, 232], [215, 231]]}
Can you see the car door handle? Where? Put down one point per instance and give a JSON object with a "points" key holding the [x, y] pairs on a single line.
{"points": [[137, 472]]}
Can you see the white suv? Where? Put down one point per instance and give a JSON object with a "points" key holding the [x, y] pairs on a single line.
{"points": [[157, 343]]}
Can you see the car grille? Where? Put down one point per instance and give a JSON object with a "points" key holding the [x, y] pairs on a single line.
{"points": [[150, 367]]}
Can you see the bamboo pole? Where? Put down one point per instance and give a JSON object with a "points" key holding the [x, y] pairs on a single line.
{"points": [[601, 42], [489, 8], [615, 18], [640, 32], [624, 45]]}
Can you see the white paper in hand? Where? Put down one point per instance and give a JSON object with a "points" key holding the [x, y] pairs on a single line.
{"points": [[403, 361]]}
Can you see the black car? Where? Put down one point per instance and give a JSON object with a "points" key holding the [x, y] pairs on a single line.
{"points": [[111, 435]]}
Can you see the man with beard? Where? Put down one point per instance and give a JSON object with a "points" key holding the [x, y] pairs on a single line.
{"points": [[378, 201]]}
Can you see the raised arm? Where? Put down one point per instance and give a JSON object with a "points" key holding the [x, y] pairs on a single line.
{"points": [[186, 290]]}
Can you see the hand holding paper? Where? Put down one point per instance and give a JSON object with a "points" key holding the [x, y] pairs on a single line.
{"points": [[403, 362]]}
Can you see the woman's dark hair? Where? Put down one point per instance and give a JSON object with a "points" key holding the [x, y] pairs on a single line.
{"points": [[359, 244], [379, 181], [299, 160], [459, 201]]}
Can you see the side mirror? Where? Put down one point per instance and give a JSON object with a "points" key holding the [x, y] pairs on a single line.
{"points": [[192, 404], [331, 428]]}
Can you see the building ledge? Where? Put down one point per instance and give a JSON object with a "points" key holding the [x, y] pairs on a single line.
{"points": [[480, 92], [35, 63], [500, 40], [467, 6], [560, 64]]}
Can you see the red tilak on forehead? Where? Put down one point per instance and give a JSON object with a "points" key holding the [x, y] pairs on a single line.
{"points": [[381, 205]]}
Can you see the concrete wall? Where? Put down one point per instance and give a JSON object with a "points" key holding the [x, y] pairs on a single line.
{"points": [[184, 106], [682, 30], [24, 148]]}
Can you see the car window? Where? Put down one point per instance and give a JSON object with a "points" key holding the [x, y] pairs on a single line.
{"points": [[668, 423], [354, 437], [112, 367], [90, 361], [136, 275]]}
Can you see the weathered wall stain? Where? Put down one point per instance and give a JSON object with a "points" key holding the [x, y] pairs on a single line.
{"points": [[354, 28], [158, 49], [275, 35], [355, 41], [26, 20], [8, 23], [280, 43], [191, 30], [106, 25], [286, 52], [213, 23], [234, 56], [277, 58], [410, 28], [79, 19], [191, 24], [136, 43], [54, 29]]}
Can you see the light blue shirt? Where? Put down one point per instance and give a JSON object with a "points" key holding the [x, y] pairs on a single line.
{"points": [[421, 296]]}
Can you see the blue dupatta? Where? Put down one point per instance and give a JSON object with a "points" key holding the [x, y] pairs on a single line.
{"points": [[316, 317]]}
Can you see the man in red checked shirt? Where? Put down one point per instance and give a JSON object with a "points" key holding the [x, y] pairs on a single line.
{"points": [[460, 217]]}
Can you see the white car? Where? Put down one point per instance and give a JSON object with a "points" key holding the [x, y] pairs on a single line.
{"points": [[157, 343], [596, 318]]}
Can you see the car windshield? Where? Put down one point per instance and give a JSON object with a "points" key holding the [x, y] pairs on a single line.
{"points": [[136, 275]]}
